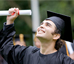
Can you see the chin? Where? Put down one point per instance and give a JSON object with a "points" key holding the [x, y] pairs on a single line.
{"points": [[40, 37]]}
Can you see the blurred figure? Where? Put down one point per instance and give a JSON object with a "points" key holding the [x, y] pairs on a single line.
{"points": [[36, 41], [19, 40]]}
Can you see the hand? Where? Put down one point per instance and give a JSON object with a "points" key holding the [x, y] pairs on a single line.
{"points": [[72, 56], [11, 18]]}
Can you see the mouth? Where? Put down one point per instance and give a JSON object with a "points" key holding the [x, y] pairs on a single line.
{"points": [[41, 31]]}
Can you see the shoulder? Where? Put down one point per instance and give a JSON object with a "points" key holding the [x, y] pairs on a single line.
{"points": [[62, 55], [25, 51], [65, 59], [33, 49], [26, 48], [63, 50]]}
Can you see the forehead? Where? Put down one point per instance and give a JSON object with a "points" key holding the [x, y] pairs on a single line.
{"points": [[49, 21]]}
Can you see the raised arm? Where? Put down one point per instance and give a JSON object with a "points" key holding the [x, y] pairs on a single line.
{"points": [[13, 54], [7, 49]]}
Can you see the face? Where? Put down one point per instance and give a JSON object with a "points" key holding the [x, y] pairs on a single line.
{"points": [[45, 30]]}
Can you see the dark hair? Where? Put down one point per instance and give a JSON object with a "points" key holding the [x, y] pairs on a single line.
{"points": [[59, 42]]}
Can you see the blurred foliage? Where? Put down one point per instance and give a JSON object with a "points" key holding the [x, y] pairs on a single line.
{"points": [[23, 24]]}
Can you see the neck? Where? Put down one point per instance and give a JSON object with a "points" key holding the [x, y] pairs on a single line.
{"points": [[47, 47]]}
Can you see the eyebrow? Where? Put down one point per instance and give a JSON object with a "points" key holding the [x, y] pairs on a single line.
{"points": [[46, 23]]}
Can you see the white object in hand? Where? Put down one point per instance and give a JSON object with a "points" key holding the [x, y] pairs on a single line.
{"points": [[21, 12]]}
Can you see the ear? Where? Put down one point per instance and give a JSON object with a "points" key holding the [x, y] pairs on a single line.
{"points": [[56, 36]]}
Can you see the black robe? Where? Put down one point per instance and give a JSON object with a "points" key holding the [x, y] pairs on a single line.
{"points": [[63, 50], [26, 55]]}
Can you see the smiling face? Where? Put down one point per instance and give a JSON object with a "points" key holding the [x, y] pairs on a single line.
{"points": [[45, 30]]}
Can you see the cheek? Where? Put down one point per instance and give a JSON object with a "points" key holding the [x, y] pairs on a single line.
{"points": [[49, 34]]}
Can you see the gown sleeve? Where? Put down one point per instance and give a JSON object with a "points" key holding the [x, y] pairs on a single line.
{"points": [[12, 54], [65, 59], [68, 61]]}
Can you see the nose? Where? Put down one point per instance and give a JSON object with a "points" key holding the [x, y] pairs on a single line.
{"points": [[41, 26]]}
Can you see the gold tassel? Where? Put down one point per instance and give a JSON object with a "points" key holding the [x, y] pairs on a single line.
{"points": [[66, 49]]}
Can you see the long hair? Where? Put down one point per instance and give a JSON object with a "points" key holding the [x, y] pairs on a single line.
{"points": [[59, 43]]}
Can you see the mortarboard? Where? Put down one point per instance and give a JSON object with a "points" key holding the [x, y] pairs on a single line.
{"points": [[63, 23]]}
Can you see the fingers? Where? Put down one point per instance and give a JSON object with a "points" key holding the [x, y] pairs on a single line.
{"points": [[13, 11], [13, 15]]}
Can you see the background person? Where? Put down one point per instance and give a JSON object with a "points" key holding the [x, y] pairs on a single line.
{"points": [[36, 41], [19, 40]]}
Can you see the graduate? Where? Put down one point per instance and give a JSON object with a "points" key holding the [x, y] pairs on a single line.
{"points": [[66, 34], [49, 33]]}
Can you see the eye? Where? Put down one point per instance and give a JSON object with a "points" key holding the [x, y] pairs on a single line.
{"points": [[48, 24]]}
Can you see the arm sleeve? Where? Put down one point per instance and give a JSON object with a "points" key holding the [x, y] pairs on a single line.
{"points": [[66, 60], [10, 52]]}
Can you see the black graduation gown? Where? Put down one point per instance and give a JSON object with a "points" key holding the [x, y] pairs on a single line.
{"points": [[63, 50], [26, 55], [2, 61]]}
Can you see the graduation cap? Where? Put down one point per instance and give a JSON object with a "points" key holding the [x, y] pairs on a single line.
{"points": [[63, 24]]}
